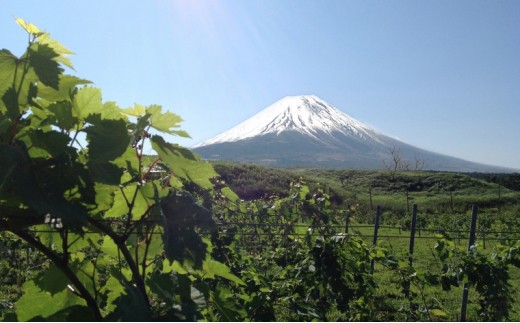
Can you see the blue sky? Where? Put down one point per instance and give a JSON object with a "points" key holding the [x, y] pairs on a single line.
{"points": [[441, 75]]}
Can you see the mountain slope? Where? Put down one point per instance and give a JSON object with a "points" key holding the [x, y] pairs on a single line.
{"points": [[306, 114], [305, 131]]}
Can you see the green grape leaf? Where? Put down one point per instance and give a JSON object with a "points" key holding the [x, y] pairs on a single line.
{"points": [[53, 142], [28, 27], [111, 111], [13, 74], [63, 112], [173, 266], [43, 193], [104, 197], [229, 194], [52, 280], [105, 172], [212, 268], [10, 100], [129, 161], [304, 190], [119, 208], [68, 84], [143, 199], [85, 272], [192, 299], [36, 302], [110, 248], [438, 313], [223, 300], [184, 163], [41, 59], [165, 121], [86, 102], [108, 139], [113, 290], [183, 216], [136, 111], [48, 237], [78, 242], [8, 67], [45, 38], [125, 302], [58, 48], [162, 285]]}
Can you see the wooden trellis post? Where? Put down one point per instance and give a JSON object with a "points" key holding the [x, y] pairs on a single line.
{"points": [[412, 232], [376, 229], [465, 291]]}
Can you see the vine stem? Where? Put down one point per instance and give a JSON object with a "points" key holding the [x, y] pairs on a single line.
{"points": [[148, 240], [150, 169], [423, 299], [136, 277], [58, 261]]}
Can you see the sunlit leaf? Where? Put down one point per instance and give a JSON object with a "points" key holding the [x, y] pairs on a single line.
{"points": [[67, 84], [110, 248], [165, 121], [87, 102], [29, 27], [184, 163], [129, 161], [437, 312], [212, 268], [111, 111], [175, 266], [11, 71], [36, 302], [119, 208], [57, 47], [136, 111], [228, 193], [144, 198]]}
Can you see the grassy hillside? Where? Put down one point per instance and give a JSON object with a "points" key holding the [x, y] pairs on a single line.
{"points": [[395, 192]]}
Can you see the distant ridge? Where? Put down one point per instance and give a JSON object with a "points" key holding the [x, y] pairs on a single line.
{"points": [[305, 131]]}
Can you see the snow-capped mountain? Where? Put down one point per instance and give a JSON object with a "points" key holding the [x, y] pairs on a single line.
{"points": [[305, 131], [306, 114]]}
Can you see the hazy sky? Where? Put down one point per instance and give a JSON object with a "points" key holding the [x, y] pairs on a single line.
{"points": [[441, 75]]}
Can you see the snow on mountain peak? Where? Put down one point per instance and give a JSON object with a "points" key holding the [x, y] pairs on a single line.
{"points": [[306, 114]]}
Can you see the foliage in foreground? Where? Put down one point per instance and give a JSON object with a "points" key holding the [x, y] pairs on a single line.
{"points": [[113, 232]]}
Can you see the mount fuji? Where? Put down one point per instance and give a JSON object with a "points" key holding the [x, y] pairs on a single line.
{"points": [[305, 131]]}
